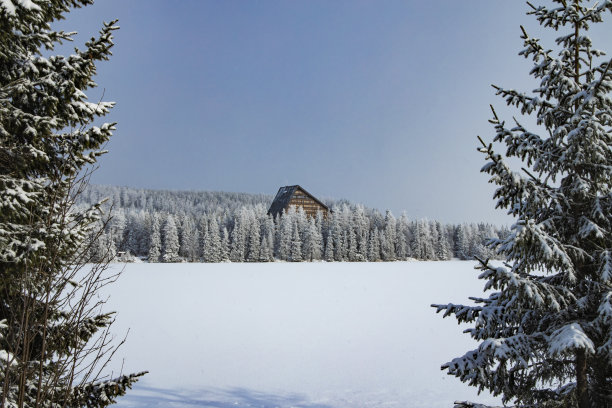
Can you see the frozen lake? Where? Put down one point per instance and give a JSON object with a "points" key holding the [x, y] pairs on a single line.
{"points": [[325, 335]]}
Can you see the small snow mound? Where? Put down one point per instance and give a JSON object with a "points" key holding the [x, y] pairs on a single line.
{"points": [[568, 338], [10, 6]]}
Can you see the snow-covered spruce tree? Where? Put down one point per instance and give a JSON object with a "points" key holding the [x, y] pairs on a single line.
{"points": [[265, 250], [238, 238], [442, 249], [171, 240], [253, 240], [188, 239], [388, 247], [224, 250], [212, 250], [313, 242], [51, 329], [328, 254], [285, 234], [545, 332], [374, 246], [154, 251], [295, 250], [462, 242]]}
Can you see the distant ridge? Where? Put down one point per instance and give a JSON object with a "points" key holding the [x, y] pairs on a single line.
{"points": [[170, 201], [178, 201]]}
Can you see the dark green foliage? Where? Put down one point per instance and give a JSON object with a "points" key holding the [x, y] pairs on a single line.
{"points": [[47, 140], [545, 331]]}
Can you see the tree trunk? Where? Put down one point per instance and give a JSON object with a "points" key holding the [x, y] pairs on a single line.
{"points": [[581, 379]]}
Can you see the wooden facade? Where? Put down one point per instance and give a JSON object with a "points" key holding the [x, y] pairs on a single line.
{"points": [[296, 196]]}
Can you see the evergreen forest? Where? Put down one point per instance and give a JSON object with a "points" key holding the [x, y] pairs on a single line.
{"points": [[188, 226]]}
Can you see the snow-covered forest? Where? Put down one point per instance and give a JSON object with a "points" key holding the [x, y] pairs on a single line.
{"points": [[175, 226]]}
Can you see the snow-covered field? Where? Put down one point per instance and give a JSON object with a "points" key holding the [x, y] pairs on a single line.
{"points": [[324, 335]]}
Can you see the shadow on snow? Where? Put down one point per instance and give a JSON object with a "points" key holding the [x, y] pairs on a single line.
{"points": [[144, 396]]}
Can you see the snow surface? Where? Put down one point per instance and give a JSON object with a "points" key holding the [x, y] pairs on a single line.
{"points": [[324, 335]]}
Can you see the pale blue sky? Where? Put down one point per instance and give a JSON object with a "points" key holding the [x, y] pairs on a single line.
{"points": [[378, 102]]}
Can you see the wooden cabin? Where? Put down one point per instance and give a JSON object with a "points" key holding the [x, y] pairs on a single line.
{"points": [[296, 196]]}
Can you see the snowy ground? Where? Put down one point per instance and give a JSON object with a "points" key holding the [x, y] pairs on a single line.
{"points": [[324, 335]]}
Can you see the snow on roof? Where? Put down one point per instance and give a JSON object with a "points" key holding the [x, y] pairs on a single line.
{"points": [[281, 201]]}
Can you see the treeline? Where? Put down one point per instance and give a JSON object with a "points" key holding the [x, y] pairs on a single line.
{"points": [[166, 226]]}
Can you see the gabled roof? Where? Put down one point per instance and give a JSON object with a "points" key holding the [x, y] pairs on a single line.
{"points": [[281, 201]]}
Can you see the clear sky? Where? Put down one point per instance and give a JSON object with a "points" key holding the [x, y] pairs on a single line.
{"points": [[378, 102]]}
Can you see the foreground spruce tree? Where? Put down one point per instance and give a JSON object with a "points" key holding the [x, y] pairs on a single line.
{"points": [[545, 331], [53, 337]]}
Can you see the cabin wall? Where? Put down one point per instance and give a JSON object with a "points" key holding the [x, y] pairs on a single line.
{"points": [[310, 206]]}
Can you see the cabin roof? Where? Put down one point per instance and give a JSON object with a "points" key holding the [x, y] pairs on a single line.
{"points": [[281, 201]]}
